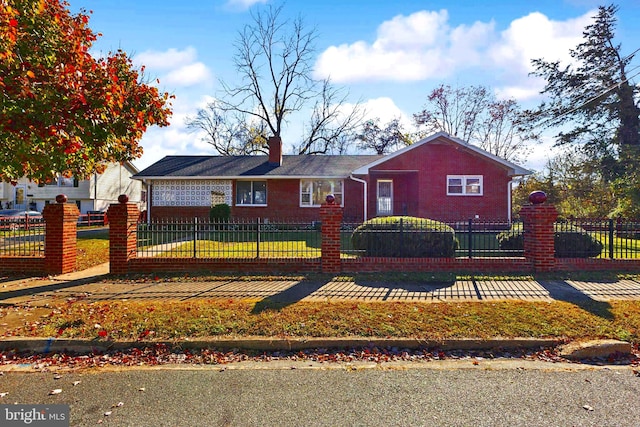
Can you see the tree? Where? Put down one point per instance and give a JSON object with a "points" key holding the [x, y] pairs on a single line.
{"points": [[274, 59], [228, 132], [61, 110], [595, 99], [455, 111], [331, 127], [502, 131], [474, 115], [384, 139], [573, 183]]}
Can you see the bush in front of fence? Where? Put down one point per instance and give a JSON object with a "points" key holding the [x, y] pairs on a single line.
{"points": [[569, 241], [220, 213], [404, 236]]}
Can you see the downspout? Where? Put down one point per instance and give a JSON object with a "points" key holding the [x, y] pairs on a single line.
{"points": [[509, 189], [148, 201], [362, 181]]}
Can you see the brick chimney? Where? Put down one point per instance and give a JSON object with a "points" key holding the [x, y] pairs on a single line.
{"points": [[275, 150]]}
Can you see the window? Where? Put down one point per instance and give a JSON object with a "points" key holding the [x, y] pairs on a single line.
{"points": [[464, 185], [251, 193], [313, 192], [61, 181]]}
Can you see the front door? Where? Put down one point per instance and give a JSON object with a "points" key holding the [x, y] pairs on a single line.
{"points": [[385, 197], [20, 197]]}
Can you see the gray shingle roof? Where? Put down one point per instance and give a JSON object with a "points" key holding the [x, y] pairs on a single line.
{"points": [[248, 166]]}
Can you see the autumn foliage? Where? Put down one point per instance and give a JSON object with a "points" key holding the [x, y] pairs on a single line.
{"points": [[61, 109]]}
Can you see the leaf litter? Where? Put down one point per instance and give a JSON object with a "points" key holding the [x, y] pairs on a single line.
{"points": [[163, 354]]}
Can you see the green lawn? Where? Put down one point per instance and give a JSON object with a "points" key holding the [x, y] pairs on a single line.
{"points": [[133, 320]]}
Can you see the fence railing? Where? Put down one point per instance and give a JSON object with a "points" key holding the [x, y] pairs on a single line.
{"points": [[22, 236], [198, 238], [600, 238], [92, 219], [469, 239]]}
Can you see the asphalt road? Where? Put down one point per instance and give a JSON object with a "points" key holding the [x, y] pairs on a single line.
{"points": [[482, 395]]}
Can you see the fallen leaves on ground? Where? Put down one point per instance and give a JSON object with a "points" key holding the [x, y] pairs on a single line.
{"points": [[162, 354]]}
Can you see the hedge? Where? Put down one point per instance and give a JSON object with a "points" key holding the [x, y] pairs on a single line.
{"points": [[569, 241], [404, 236]]}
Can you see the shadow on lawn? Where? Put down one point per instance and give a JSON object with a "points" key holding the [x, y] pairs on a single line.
{"points": [[291, 295], [361, 287]]}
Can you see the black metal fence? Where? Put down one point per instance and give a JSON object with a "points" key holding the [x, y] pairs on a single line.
{"points": [[22, 236], [197, 238], [600, 238], [472, 238]]}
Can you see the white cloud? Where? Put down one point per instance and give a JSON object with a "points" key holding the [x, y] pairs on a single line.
{"points": [[166, 60], [386, 110], [180, 67], [407, 48], [188, 75], [244, 4], [424, 46], [536, 36], [174, 139]]}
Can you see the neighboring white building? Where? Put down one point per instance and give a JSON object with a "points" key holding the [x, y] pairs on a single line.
{"points": [[93, 194]]}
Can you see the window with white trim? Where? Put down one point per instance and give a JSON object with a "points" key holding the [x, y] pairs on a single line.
{"points": [[313, 192], [61, 181], [464, 185], [251, 193]]}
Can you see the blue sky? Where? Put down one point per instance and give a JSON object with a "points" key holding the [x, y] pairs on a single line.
{"points": [[387, 55]]}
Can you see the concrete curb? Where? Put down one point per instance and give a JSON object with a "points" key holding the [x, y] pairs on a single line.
{"points": [[79, 346]]}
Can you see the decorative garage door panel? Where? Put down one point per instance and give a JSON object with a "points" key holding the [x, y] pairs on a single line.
{"points": [[191, 193]]}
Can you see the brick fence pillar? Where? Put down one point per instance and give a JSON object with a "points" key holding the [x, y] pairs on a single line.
{"points": [[60, 245], [331, 217], [539, 245], [123, 234]]}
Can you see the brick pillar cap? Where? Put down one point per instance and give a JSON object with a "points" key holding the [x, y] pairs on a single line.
{"points": [[61, 198], [123, 198], [537, 197]]}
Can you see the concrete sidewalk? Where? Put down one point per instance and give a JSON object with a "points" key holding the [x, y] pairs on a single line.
{"points": [[95, 284]]}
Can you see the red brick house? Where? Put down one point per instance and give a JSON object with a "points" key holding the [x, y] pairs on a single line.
{"points": [[439, 177]]}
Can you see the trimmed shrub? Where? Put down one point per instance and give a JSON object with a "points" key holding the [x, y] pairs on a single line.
{"points": [[220, 213], [569, 241], [404, 236]]}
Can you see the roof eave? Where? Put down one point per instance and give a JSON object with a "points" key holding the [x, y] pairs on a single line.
{"points": [[167, 177]]}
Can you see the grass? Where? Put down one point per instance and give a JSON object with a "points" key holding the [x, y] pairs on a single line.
{"points": [[92, 249], [233, 318]]}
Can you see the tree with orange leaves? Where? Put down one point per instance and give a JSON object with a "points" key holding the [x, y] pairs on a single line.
{"points": [[61, 109]]}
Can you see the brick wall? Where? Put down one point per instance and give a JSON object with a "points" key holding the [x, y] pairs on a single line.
{"points": [[18, 264], [60, 244], [430, 187], [60, 240], [123, 229], [538, 231], [331, 217], [539, 246]]}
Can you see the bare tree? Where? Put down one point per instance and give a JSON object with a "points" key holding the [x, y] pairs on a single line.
{"points": [[274, 59], [455, 111], [228, 132], [332, 125], [474, 115], [384, 139], [502, 131]]}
